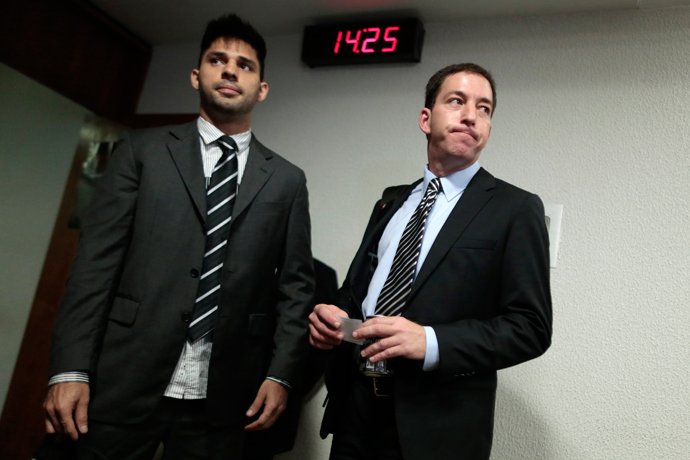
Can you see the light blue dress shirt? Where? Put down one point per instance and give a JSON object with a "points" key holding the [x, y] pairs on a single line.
{"points": [[453, 187]]}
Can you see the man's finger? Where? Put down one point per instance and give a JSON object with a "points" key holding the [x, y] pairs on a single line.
{"points": [[50, 428], [256, 405], [52, 423], [81, 416], [258, 424], [267, 419], [373, 330], [328, 314], [388, 353], [380, 346], [65, 418], [323, 326], [326, 339], [319, 344]]}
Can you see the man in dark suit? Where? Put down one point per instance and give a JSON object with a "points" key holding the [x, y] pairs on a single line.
{"points": [[455, 269], [185, 315]]}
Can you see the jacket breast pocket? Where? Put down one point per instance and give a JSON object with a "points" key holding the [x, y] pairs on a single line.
{"points": [[474, 243], [271, 207], [124, 310]]}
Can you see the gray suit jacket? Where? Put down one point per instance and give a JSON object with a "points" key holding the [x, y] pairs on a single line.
{"points": [[124, 316]]}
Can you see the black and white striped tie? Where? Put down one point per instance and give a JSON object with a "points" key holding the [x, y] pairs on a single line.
{"points": [[220, 198], [398, 285]]}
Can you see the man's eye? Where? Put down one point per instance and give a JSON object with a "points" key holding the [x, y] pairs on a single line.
{"points": [[485, 109], [245, 67], [455, 101], [216, 61]]}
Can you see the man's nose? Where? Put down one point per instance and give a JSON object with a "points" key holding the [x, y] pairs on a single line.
{"points": [[230, 71], [468, 114]]}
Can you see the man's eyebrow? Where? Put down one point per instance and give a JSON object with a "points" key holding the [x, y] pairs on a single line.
{"points": [[217, 54], [247, 60]]}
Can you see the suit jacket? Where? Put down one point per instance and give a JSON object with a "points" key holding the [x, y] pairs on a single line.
{"points": [[484, 288], [124, 316]]}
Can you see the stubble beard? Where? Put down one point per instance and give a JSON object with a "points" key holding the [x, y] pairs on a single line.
{"points": [[238, 106]]}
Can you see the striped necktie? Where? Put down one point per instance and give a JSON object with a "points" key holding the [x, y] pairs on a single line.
{"points": [[220, 198], [398, 284]]}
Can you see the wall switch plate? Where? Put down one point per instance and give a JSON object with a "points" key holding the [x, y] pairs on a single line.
{"points": [[553, 215]]}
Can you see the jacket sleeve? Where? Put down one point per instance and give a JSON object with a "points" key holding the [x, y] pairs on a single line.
{"points": [[105, 236], [296, 292], [522, 328]]}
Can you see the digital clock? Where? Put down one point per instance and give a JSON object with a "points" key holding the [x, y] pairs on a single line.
{"points": [[363, 42]]}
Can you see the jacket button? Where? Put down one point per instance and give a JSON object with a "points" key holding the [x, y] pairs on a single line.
{"points": [[194, 273], [187, 317]]}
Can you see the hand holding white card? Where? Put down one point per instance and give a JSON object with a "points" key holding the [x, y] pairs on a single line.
{"points": [[348, 326]]}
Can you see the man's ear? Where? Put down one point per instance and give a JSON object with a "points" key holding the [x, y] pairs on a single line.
{"points": [[194, 77], [425, 121], [263, 91]]}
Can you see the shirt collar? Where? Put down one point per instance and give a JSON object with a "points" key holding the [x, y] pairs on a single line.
{"points": [[209, 134], [452, 184]]}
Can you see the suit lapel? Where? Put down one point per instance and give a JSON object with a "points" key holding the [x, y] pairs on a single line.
{"points": [[477, 194], [185, 150], [363, 260], [256, 172]]}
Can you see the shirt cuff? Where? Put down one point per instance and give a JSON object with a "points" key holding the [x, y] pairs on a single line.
{"points": [[431, 359], [280, 381], [64, 377]]}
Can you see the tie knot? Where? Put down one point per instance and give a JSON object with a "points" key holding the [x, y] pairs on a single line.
{"points": [[434, 185], [227, 143]]}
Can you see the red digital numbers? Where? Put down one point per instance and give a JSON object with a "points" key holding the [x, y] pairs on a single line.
{"points": [[388, 38], [354, 41], [370, 39], [373, 34]]}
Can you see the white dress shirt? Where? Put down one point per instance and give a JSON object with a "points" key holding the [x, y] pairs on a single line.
{"points": [[190, 378], [453, 187]]}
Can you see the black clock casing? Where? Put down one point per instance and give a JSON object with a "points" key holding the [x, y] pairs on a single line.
{"points": [[363, 42]]}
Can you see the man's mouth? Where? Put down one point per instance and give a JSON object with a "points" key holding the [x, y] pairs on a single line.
{"points": [[465, 131], [227, 88]]}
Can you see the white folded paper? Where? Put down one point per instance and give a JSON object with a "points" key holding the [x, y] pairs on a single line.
{"points": [[348, 326]]}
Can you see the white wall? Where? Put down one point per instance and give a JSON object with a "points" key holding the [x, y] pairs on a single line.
{"points": [[592, 113], [39, 131]]}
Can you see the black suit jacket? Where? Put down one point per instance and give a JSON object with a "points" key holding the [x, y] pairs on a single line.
{"points": [[484, 288], [134, 279]]}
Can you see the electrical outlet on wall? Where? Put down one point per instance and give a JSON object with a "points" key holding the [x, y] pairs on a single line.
{"points": [[553, 215]]}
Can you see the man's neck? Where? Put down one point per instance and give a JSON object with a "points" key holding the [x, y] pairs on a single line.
{"points": [[228, 125]]}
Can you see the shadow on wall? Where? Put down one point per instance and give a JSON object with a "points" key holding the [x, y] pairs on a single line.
{"points": [[521, 432]]}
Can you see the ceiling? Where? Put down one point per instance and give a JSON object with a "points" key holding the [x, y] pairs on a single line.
{"points": [[162, 22]]}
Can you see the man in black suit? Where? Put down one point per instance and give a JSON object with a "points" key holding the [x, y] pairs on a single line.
{"points": [[185, 315], [456, 268]]}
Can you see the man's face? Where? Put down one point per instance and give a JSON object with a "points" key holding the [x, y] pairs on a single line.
{"points": [[228, 80], [459, 124]]}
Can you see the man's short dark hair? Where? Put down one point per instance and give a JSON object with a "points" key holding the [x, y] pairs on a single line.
{"points": [[436, 81], [232, 26]]}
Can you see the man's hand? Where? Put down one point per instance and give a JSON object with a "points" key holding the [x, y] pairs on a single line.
{"points": [[324, 326], [272, 396], [400, 337], [65, 404]]}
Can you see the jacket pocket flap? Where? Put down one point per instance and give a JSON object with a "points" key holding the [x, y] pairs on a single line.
{"points": [[260, 325], [124, 311], [271, 206]]}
